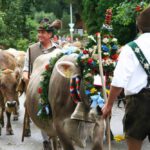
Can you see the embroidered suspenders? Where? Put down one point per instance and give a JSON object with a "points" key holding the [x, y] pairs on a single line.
{"points": [[143, 61]]}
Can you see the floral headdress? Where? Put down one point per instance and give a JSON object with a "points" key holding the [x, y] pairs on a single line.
{"points": [[45, 25]]}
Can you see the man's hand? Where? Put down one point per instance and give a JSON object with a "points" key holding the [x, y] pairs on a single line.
{"points": [[114, 93], [106, 110]]}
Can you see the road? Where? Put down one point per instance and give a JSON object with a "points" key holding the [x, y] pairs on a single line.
{"points": [[35, 141]]}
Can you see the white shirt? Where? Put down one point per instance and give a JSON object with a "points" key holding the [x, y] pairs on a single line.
{"points": [[129, 74], [26, 63]]}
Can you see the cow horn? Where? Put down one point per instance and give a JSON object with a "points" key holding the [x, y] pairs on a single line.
{"points": [[66, 69]]}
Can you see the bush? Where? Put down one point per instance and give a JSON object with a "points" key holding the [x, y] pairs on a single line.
{"points": [[40, 15], [22, 44]]}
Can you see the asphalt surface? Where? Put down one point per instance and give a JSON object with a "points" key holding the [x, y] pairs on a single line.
{"points": [[34, 142]]}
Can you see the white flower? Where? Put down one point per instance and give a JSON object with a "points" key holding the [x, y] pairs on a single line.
{"points": [[92, 38], [105, 40], [146, 66], [106, 53], [114, 40], [41, 78], [137, 50], [109, 61], [85, 56]]}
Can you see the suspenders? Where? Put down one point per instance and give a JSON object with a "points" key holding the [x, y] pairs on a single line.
{"points": [[143, 61]]}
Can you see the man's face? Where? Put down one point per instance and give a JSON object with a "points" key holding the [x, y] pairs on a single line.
{"points": [[44, 36]]}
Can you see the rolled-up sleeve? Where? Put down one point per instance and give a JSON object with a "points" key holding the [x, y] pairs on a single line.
{"points": [[125, 67]]}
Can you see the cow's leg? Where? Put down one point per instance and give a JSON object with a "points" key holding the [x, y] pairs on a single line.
{"points": [[1, 118], [9, 130], [64, 139], [56, 144], [15, 114], [98, 135]]}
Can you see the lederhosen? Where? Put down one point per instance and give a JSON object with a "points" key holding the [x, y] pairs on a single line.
{"points": [[136, 120]]}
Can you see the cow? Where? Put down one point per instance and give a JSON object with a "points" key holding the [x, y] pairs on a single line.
{"points": [[19, 55], [20, 58], [62, 105], [9, 78]]}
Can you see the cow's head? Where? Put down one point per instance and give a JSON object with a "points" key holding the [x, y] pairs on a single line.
{"points": [[8, 84], [69, 69]]}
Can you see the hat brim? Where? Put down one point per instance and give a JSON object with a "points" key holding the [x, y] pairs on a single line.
{"points": [[43, 29]]}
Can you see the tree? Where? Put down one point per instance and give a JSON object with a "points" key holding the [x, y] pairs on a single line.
{"points": [[124, 26], [14, 21]]}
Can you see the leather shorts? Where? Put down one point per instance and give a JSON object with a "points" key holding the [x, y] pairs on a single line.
{"points": [[136, 121]]}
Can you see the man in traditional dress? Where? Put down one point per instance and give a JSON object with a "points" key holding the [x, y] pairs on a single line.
{"points": [[132, 74], [43, 46]]}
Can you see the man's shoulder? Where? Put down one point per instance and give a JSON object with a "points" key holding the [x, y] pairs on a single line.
{"points": [[35, 45]]}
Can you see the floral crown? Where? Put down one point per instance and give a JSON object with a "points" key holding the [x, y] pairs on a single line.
{"points": [[45, 25]]}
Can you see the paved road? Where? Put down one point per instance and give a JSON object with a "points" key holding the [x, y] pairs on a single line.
{"points": [[35, 141]]}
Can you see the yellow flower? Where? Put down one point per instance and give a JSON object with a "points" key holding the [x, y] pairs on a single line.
{"points": [[119, 138], [107, 91], [93, 90]]}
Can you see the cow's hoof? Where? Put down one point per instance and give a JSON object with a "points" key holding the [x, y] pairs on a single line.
{"points": [[15, 117], [9, 132], [27, 133], [47, 145]]}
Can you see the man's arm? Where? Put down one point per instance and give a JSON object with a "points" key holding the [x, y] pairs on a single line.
{"points": [[25, 74], [114, 93]]}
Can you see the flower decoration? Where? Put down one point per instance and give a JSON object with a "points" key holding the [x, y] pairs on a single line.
{"points": [[109, 45], [44, 109], [89, 68], [108, 16], [140, 7]]}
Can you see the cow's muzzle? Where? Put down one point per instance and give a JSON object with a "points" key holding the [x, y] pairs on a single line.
{"points": [[11, 104]]}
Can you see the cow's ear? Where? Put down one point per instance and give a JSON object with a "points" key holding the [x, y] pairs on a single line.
{"points": [[17, 73], [66, 69]]}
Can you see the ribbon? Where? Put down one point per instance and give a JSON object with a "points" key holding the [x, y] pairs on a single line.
{"points": [[44, 110], [70, 50], [97, 100], [75, 89]]}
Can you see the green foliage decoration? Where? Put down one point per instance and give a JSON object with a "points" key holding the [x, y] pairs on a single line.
{"points": [[127, 12]]}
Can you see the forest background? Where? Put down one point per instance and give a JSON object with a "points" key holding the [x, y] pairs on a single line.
{"points": [[19, 19]]}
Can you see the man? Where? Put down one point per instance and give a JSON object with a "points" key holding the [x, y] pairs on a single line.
{"points": [[131, 76], [43, 46]]}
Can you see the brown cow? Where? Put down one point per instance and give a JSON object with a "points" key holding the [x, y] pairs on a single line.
{"points": [[62, 106], [9, 78]]}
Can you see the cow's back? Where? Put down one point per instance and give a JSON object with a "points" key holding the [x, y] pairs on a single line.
{"points": [[7, 61]]}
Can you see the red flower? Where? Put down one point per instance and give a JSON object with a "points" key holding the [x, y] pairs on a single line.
{"points": [[115, 56], [47, 67], [39, 90], [138, 8], [85, 52], [90, 60], [97, 34], [105, 57], [108, 17]]}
